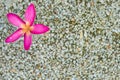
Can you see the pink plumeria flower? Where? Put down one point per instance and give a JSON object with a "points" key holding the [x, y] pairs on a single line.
{"points": [[26, 27]]}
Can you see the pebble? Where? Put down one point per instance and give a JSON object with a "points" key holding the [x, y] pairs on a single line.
{"points": [[80, 45]]}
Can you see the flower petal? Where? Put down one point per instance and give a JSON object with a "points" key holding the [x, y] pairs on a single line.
{"points": [[15, 36], [30, 14], [14, 19], [39, 29], [27, 41]]}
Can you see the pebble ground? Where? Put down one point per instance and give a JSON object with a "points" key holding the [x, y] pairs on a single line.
{"points": [[83, 43]]}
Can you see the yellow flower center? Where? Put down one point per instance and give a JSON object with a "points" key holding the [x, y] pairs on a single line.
{"points": [[26, 28]]}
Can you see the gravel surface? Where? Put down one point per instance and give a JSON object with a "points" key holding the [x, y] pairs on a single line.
{"points": [[83, 43]]}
